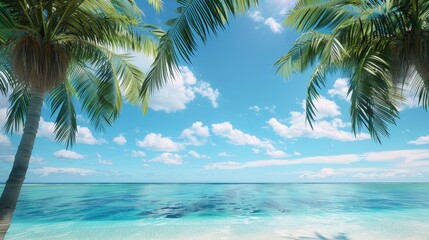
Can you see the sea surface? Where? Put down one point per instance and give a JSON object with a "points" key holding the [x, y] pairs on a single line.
{"points": [[222, 211]]}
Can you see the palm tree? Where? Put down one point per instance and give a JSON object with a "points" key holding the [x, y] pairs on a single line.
{"points": [[382, 45], [66, 50]]}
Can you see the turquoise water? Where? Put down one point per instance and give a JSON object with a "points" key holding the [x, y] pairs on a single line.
{"points": [[222, 211]]}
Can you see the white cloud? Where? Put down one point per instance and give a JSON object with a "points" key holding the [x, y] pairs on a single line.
{"points": [[255, 108], [102, 161], [180, 91], [168, 158], [4, 140], [274, 25], [46, 129], [36, 160], [105, 162], [271, 109], [205, 90], [285, 5], [84, 135], [138, 153], [341, 88], [404, 159], [45, 171], [196, 135], [7, 158], [224, 154], [420, 141], [395, 174], [324, 173], [157, 142], [66, 154], [120, 139], [237, 137], [327, 125], [197, 155], [362, 173], [325, 108], [256, 16]]}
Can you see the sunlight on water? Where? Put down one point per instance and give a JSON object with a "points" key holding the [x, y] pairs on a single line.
{"points": [[222, 211]]}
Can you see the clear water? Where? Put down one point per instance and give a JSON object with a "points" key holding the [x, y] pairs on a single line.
{"points": [[222, 211]]}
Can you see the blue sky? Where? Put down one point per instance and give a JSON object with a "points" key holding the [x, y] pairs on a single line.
{"points": [[228, 117]]}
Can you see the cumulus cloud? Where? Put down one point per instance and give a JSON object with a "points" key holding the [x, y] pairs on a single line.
{"points": [[196, 135], [120, 139], [327, 125], [420, 141], [45, 171], [157, 142], [237, 137], [66, 154], [205, 90], [168, 159], [84, 134], [180, 91], [138, 153], [197, 155], [340, 89], [274, 26]]}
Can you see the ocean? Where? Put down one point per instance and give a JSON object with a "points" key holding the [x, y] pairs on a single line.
{"points": [[362, 211]]}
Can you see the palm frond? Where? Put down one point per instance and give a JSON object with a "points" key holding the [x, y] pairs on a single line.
{"points": [[61, 101], [18, 101], [157, 4], [373, 99], [197, 20]]}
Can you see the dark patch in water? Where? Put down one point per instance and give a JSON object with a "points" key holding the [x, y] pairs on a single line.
{"points": [[177, 215]]}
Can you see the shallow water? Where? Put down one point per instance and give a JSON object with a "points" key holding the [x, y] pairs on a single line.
{"points": [[222, 211]]}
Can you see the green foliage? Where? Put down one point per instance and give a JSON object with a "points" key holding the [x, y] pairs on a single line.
{"points": [[382, 45], [72, 51], [196, 21]]}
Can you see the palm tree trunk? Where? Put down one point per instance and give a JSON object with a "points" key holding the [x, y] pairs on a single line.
{"points": [[16, 178]]}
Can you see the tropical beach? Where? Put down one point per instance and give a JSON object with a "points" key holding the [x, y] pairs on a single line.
{"points": [[222, 211], [220, 119]]}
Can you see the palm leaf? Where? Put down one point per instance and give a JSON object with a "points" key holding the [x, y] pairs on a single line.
{"points": [[197, 20]]}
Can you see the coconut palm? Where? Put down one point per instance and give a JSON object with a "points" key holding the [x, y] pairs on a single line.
{"points": [[382, 45], [67, 51]]}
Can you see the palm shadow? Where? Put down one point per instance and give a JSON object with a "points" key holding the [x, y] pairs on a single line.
{"points": [[318, 236]]}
